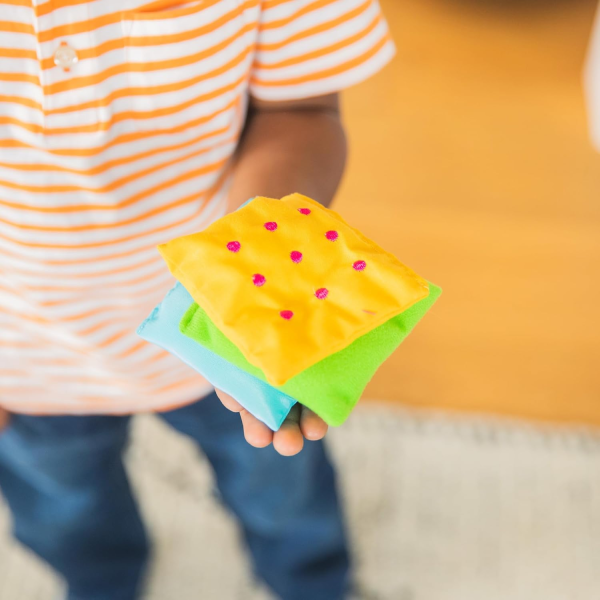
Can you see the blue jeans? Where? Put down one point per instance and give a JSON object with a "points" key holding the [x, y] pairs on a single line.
{"points": [[64, 480]]}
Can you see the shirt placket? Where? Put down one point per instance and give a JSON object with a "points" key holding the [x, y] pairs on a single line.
{"points": [[62, 55]]}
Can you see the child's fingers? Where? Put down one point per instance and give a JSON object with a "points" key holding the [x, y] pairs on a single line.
{"points": [[301, 422], [288, 440], [257, 434], [311, 425], [229, 402]]}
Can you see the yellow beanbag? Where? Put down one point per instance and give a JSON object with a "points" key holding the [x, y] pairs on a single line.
{"points": [[289, 282]]}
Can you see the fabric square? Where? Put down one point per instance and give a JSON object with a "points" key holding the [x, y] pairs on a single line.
{"points": [[333, 386], [289, 282], [265, 402]]}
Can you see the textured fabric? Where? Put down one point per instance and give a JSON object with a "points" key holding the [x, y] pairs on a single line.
{"points": [[162, 327], [288, 506], [289, 282], [104, 158], [89, 528], [333, 386], [65, 482]]}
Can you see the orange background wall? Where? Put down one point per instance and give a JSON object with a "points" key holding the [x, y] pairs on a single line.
{"points": [[470, 161]]}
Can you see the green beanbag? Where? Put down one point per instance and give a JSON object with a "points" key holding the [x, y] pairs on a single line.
{"points": [[331, 387]]}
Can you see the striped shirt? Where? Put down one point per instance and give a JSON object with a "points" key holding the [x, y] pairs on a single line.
{"points": [[118, 119]]}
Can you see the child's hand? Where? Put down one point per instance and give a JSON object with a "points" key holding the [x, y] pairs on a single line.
{"points": [[3, 418], [299, 424]]}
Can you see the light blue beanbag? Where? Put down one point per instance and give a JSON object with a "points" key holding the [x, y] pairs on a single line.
{"points": [[259, 398]]}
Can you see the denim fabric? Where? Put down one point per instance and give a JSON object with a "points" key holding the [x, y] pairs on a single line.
{"points": [[64, 481]]}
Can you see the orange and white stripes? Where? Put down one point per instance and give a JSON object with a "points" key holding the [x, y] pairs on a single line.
{"points": [[122, 148]]}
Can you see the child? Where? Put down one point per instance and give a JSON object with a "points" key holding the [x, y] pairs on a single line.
{"points": [[125, 124]]}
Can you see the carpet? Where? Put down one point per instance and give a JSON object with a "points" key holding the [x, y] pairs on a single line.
{"points": [[441, 507]]}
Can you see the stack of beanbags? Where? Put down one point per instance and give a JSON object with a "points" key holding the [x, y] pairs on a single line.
{"points": [[282, 302]]}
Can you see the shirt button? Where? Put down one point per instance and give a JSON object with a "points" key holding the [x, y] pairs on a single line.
{"points": [[65, 56]]}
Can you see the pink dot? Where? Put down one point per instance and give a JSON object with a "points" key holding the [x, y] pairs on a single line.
{"points": [[304, 211], [332, 235], [321, 293], [234, 246], [258, 279], [359, 265], [296, 256], [286, 314], [271, 226]]}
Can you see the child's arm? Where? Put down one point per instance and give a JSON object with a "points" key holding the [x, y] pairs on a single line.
{"points": [[297, 146], [286, 147]]}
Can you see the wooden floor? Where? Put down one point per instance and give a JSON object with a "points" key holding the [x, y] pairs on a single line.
{"points": [[470, 161]]}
